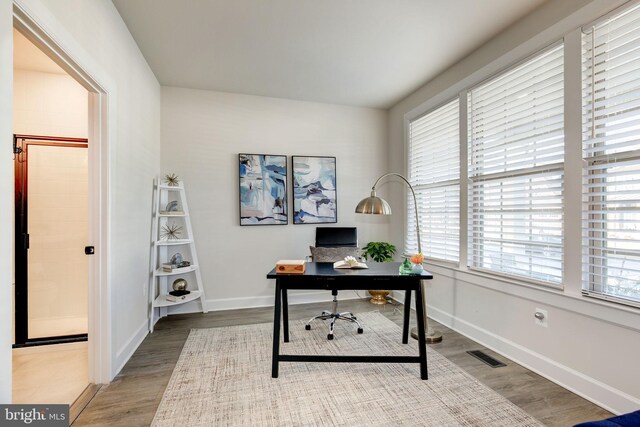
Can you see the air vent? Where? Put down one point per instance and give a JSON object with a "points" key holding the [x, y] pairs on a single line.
{"points": [[486, 358]]}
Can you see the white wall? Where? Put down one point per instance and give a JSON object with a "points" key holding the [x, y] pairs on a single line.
{"points": [[6, 197], [49, 104], [202, 134], [94, 35], [590, 347]]}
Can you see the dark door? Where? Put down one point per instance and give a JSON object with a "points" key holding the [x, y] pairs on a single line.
{"points": [[51, 217]]}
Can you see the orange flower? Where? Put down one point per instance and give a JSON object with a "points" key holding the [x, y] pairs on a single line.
{"points": [[417, 259]]}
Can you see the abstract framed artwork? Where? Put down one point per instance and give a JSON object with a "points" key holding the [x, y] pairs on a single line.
{"points": [[263, 189], [314, 190]]}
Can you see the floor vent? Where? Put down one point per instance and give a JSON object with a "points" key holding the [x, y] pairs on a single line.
{"points": [[486, 358]]}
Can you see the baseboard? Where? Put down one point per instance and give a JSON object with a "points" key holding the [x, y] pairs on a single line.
{"points": [[125, 353], [589, 388], [305, 297]]}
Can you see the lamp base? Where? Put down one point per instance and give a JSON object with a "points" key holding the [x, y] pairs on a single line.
{"points": [[431, 337]]}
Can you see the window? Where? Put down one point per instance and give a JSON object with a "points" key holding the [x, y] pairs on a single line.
{"points": [[516, 155], [434, 172], [611, 154]]}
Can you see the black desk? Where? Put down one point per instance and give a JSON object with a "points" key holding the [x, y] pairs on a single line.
{"points": [[322, 275]]}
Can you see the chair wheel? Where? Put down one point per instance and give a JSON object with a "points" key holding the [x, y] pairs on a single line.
{"points": [[307, 327], [330, 336], [360, 330]]}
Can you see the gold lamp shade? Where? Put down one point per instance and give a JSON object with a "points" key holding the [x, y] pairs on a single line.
{"points": [[373, 205]]}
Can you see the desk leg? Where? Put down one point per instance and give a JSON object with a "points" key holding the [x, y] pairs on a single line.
{"points": [[285, 315], [422, 345], [276, 331], [407, 313]]}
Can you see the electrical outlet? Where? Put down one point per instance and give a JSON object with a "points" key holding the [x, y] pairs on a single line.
{"points": [[542, 317]]}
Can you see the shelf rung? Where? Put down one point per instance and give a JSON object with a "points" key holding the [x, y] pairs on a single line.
{"points": [[160, 272], [161, 300], [174, 242]]}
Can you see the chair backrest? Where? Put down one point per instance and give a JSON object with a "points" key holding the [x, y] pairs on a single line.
{"points": [[331, 237]]}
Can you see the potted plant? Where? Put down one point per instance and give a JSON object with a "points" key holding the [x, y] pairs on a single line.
{"points": [[379, 252]]}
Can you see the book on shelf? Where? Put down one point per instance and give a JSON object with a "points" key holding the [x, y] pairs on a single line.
{"points": [[344, 264], [168, 267], [174, 298]]}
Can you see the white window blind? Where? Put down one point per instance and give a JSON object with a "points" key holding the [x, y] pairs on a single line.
{"points": [[516, 155], [434, 173], [611, 151]]}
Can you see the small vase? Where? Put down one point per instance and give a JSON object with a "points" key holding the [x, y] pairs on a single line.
{"points": [[405, 268], [417, 268]]}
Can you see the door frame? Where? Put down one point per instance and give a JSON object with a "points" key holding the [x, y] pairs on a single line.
{"points": [[99, 309], [21, 169]]}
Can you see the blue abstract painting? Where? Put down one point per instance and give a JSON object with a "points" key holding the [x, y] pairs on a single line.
{"points": [[314, 190], [263, 189]]}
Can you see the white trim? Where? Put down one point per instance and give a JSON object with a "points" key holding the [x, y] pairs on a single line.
{"points": [[463, 250], [572, 192], [589, 388], [304, 297], [125, 353], [100, 357]]}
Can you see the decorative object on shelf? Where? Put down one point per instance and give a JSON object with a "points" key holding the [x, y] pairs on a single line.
{"points": [[180, 285], [314, 190], [171, 180], [379, 252], [171, 232], [263, 189], [176, 298], [172, 206], [176, 258], [374, 205]]}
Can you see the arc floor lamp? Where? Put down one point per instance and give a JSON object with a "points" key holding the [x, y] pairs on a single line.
{"points": [[374, 205]]}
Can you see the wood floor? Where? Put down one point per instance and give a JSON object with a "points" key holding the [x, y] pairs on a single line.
{"points": [[50, 373], [132, 398]]}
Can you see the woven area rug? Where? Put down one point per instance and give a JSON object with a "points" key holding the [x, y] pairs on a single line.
{"points": [[223, 378]]}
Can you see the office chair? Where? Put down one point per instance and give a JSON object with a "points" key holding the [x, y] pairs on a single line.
{"points": [[333, 244]]}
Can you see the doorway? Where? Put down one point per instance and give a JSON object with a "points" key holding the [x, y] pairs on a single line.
{"points": [[51, 269], [79, 65], [51, 118]]}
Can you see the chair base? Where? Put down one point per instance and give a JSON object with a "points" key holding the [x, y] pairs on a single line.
{"points": [[327, 315]]}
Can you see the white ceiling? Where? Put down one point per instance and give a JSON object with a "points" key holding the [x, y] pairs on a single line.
{"points": [[26, 56], [356, 52]]}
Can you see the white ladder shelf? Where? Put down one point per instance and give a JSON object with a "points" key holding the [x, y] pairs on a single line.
{"points": [[160, 283]]}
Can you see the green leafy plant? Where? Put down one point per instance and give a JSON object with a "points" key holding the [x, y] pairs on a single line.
{"points": [[379, 251]]}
